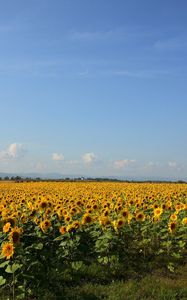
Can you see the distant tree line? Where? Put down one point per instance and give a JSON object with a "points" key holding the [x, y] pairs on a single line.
{"points": [[97, 179]]}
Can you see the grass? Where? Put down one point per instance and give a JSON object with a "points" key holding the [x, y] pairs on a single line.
{"points": [[149, 287]]}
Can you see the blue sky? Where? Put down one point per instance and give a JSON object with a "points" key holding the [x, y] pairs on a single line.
{"points": [[94, 87]]}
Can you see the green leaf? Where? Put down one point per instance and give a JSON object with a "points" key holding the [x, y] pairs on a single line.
{"points": [[59, 238], [5, 263], [63, 244], [12, 269], [76, 265], [38, 246], [176, 255], [171, 268], [160, 251], [182, 244], [2, 280]]}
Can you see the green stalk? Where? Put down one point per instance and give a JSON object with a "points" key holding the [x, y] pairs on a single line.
{"points": [[13, 288]]}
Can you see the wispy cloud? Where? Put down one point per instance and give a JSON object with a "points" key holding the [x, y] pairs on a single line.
{"points": [[97, 35], [125, 33], [89, 157], [123, 163], [15, 150], [57, 156], [141, 73], [172, 164]]}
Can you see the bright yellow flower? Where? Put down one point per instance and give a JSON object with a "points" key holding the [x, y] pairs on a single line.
{"points": [[140, 216], [87, 219], [184, 221], [6, 227], [7, 250], [173, 217], [62, 229], [44, 225], [104, 221]]}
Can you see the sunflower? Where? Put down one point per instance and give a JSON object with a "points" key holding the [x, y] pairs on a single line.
{"points": [[140, 216], [36, 220], [67, 219], [120, 223], [104, 221], [87, 219], [33, 213], [70, 228], [155, 205], [62, 229], [106, 212], [7, 250], [44, 225], [157, 212], [173, 217], [95, 207], [73, 211], [164, 206], [6, 227], [43, 205], [184, 221], [172, 227], [75, 224], [125, 213], [15, 235]]}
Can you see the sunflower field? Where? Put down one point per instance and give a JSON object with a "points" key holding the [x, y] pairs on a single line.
{"points": [[51, 232]]}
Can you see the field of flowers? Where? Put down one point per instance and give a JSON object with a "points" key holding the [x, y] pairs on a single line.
{"points": [[51, 232]]}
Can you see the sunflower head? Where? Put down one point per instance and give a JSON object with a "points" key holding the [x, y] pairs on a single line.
{"points": [[43, 205], [172, 226], [140, 216], [125, 213], [75, 224], [67, 218], [184, 221], [120, 222], [87, 219], [6, 227], [104, 221], [62, 229], [44, 225], [157, 212], [7, 250], [173, 217], [15, 235]]}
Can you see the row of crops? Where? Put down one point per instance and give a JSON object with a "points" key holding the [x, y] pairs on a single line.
{"points": [[49, 231]]}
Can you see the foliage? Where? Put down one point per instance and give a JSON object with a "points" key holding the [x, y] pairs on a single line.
{"points": [[53, 234]]}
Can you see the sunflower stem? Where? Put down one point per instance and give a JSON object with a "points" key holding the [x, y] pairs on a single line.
{"points": [[13, 288]]}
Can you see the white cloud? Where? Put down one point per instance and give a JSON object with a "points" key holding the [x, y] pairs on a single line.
{"points": [[172, 164], [15, 150], [57, 156], [89, 157], [151, 165], [123, 163]]}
